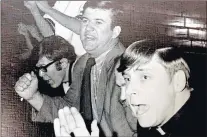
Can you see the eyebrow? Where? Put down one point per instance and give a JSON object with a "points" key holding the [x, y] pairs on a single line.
{"points": [[41, 65], [83, 17], [142, 69], [98, 19]]}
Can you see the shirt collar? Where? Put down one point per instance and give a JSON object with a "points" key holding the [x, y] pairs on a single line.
{"points": [[169, 127], [177, 118], [101, 58]]}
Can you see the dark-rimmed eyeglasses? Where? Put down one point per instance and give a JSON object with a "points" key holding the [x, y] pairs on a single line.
{"points": [[43, 68]]}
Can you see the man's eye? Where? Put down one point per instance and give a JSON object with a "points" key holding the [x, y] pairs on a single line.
{"points": [[145, 77], [84, 20], [98, 23], [127, 79]]}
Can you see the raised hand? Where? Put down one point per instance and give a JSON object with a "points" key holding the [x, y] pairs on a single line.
{"points": [[22, 29], [31, 5], [43, 5], [34, 32], [69, 121], [25, 55], [27, 86]]}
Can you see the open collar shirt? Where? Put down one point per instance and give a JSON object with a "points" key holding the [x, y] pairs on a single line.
{"points": [[95, 77]]}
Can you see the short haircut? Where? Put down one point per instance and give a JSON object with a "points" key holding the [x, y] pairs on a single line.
{"points": [[56, 48], [115, 6], [141, 52]]}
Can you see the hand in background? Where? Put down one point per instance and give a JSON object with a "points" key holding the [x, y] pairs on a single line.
{"points": [[34, 32], [25, 55], [69, 121], [22, 29], [31, 5], [43, 5]]}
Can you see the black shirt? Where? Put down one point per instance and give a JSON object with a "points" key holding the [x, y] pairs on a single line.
{"points": [[189, 121]]}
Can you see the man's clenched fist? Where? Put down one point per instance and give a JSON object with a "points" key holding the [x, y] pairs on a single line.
{"points": [[27, 86]]}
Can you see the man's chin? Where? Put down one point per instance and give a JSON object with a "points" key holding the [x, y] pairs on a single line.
{"points": [[89, 46], [89, 49], [146, 122], [53, 85]]}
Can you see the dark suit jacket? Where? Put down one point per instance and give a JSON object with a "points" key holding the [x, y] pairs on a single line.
{"points": [[110, 112]]}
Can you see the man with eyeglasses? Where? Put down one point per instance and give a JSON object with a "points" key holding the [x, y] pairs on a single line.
{"points": [[54, 66]]}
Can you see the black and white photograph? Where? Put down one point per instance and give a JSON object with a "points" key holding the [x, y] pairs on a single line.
{"points": [[103, 68]]}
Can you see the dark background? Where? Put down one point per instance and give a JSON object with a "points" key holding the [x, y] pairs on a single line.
{"points": [[141, 20]]}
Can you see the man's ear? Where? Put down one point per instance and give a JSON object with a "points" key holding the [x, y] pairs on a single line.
{"points": [[179, 81], [116, 31], [64, 63]]}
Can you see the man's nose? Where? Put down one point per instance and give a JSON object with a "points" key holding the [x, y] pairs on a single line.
{"points": [[90, 27], [132, 90], [123, 93], [41, 73], [133, 85]]}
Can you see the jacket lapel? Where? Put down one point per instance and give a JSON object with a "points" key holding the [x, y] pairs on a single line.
{"points": [[107, 69], [78, 70]]}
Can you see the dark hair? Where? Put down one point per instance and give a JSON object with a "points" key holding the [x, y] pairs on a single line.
{"points": [[56, 48], [115, 7], [170, 55]]}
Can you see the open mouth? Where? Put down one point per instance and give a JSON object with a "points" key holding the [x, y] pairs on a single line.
{"points": [[89, 37], [140, 109]]}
